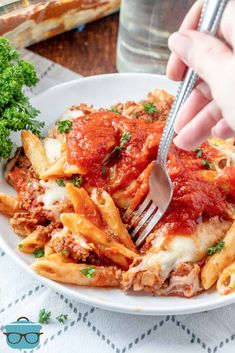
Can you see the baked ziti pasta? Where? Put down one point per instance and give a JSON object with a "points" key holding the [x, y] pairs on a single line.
{"points": [[77, 187]]}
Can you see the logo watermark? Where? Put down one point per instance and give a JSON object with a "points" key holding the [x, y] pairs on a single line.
{"points": [[22, 334]]}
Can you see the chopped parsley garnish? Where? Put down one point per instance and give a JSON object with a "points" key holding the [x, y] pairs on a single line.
{"points": [[204, 162], [16, 111], [125, 138], [64, 252], [38, 253], [104, 170], [64, 126], [114, 110], [60, 182], [86, 118], [44, 316], [77, 181], [218, 247], [150, 108], [88, 271], [62, 318], [21, 246], [117, 149], [207, 163], [199, 152], [115, 153]]}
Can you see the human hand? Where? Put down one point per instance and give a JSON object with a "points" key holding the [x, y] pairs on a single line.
{"points": [[210, 109]]}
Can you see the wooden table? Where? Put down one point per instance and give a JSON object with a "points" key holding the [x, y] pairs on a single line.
{"points": [[90, 52]]}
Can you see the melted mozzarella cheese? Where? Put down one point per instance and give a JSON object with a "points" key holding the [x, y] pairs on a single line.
{"points": [[52, 148], [71, 114], [181, 284], [182, 248], [53, 193], [53, 196]]}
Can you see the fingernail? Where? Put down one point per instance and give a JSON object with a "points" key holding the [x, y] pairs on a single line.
{"points": [[175, 141], [180, 44], [178, 143], [213, 132], [176, 128]]}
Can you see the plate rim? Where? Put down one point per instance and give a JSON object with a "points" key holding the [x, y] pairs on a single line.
{"points": [[89, 300]]}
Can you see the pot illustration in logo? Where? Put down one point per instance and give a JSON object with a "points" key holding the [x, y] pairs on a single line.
{"points": [[22, 334]]}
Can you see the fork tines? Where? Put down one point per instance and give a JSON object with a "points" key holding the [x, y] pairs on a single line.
{"points": [[139, 226]]}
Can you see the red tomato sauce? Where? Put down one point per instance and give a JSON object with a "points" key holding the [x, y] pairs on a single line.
{"points": [[195, 193], [91, 140]]}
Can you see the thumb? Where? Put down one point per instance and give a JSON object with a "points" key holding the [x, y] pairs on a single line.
{"points": [[206, 55]]}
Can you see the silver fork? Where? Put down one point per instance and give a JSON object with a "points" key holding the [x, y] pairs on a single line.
{"points": [[160, 186]]}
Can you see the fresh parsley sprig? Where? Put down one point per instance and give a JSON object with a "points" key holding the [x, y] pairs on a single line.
{"points": [[150, 108], [16, 112], [88, 271], [204, 162], [198, 152], [103, 169], [64, 126], [76, 181], [115, 153], [44, 316], [125, 138], [218, 247], [60, 182], [39, 252], [114, 110], [62, 318]]}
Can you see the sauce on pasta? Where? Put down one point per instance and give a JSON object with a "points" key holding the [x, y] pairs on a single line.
{"points": [[94, 137], [196, 194]]}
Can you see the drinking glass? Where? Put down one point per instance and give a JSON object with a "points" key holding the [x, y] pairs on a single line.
{"points": [[145, 26]]}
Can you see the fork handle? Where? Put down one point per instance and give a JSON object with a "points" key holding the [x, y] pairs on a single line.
{"points": [[209, 21]]}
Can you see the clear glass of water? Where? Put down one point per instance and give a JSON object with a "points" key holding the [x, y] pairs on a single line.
{"points": [[145, 26]]}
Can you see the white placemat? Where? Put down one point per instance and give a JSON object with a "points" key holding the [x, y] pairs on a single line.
{"points": [[89, 329]]}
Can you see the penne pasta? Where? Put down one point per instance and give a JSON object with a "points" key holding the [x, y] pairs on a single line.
{"points": [[80, 235], [83, 204], [48, 249], [226, 281], [79, 224], [70, 169], [37, 239], [112, 217], [8, 204], [61, 168], [35, 152], [58, 268], [55, 170], [217, 262]]}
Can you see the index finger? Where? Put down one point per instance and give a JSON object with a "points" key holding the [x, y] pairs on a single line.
{"points": [[175, 66]]}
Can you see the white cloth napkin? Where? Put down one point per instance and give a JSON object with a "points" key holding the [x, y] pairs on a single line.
{"points": [[90, 329]]}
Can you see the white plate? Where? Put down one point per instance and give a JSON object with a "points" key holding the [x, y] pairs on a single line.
{"points": [[104, 91]]}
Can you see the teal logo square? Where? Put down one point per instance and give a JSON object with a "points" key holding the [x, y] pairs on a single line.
{"points": [[22, 334]]}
